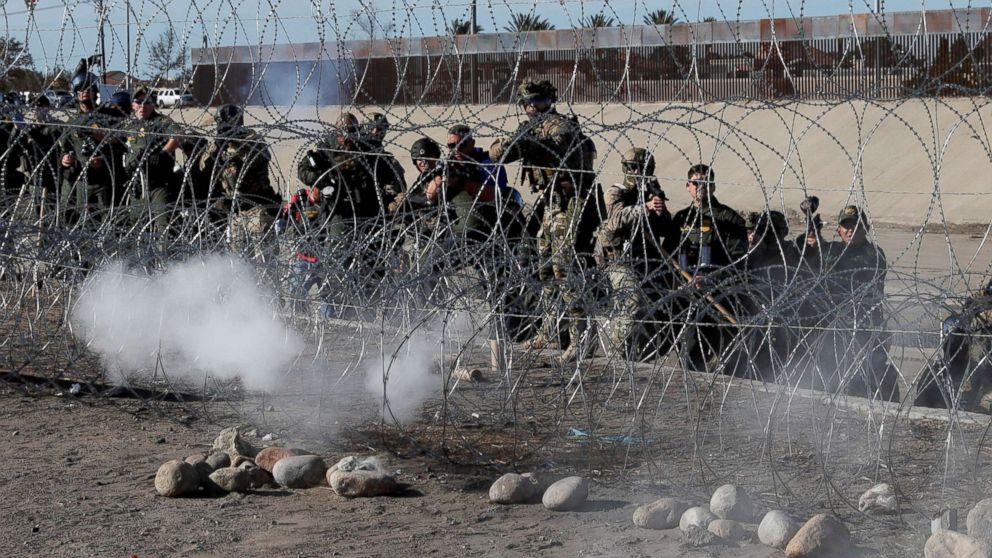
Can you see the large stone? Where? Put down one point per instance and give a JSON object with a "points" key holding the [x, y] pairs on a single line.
{"points": [[823, 536], [176, 478], [361, 483], [660, 514], [218, 460], [299, 471], [731, 502], [268, 457], [694, 536], [699, 517], [567, 494], [230, 442], [777, 528], [352, 463], [199, 461], [727, 529], [230, 479], [949, 544], [258, 477], [512, 488], [979, 521], [880, 498]]}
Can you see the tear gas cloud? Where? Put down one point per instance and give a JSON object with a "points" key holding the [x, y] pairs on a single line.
{"points": [[203, 316], [406, 380]]}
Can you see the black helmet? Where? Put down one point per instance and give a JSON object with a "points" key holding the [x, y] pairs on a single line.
{"points": [[229, 118], [771, 219], [425, 148], [83, 79]]}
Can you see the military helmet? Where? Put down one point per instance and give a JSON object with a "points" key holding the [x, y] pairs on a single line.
{"points": [[229, 118], [425, 148], [851, 215], [775, 219], [83, 79], [378, 120], [41, 101], [531, 90], [638, 161], [121, 98]]}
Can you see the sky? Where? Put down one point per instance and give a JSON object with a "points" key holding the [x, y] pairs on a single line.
{"points": [[59, 32]]}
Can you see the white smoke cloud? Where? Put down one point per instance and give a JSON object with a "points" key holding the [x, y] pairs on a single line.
{"points": [[407, 381], [203, 316]]}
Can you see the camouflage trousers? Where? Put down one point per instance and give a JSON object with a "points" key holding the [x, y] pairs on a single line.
{"points": [[249, 234], [559, 273]]}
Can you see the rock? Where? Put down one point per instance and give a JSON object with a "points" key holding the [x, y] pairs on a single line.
{"points": [[699, 516], [727, 529], [352, 463], [880, 498], [512, 488], [660, 514], [361, 484], [567, 494], [268, 457], [230, 442], [979, 521], [694, 536], [219, 460], [471, 375], [949, 544], [258, 477], [777, 529], [176, 478], [299, 471], [821, 537], [230, 479], [199, 462], [731, 502], [270, 437], [240, 460]]}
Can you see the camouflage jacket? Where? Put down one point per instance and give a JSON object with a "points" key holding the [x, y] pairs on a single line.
{"points": [[553, 152], [632, 230], [90, 135], [349, 174], [712, 235], [145, 140], [239, 164]]}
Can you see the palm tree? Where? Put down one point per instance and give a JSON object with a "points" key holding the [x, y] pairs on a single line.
{"points": [[597, 20], [709, 19], [523, 22], [660, 17], [462, 27]]}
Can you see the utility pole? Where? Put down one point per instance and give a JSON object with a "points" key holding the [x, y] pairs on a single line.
{"points": [[127, 75], [103, 46], [475, 55], [878, 53]]}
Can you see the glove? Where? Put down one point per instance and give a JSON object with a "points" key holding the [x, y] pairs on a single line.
{"points": [[397, 202]]}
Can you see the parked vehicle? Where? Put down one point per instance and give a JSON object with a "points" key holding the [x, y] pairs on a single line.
{"points": [[58, 97], [174, 98]]}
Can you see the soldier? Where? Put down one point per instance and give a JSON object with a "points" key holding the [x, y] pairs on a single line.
{"points": [[93, 178], [768, 298], [151, 146], [39, 154], [635, 241], [306, 214], [341, 167], [238, 162], [557, 160], [387, 171], [963, 375], [857, 282], [713, 238]]}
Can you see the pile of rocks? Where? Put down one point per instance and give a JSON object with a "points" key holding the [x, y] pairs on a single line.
{"points": [[947, 543], [728, 519], [566, 494], [234, 465]]}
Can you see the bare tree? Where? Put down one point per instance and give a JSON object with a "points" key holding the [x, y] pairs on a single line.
{"points": [[165, 55], [368, 21]]}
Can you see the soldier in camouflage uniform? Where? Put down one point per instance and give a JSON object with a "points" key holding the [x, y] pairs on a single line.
{"points": [[713, 239], [92, 153], [635, 240], [963, 376], [152, 140], [238, 162], [857, 269], [557, 159]]}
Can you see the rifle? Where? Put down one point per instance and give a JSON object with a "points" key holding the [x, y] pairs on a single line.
{"points": [[689, 279]]}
